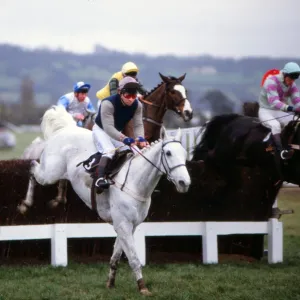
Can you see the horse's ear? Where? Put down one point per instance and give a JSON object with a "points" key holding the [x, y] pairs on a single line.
{"points": [[181, 78], [164, 78], [163, 133], [178, 135]]}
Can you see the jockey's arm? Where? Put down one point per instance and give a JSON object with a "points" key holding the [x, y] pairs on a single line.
{"points": [[63, 101], [295, 96], [90, 106], [108, 123], [113, 86], [272, 95], [138, 125]]}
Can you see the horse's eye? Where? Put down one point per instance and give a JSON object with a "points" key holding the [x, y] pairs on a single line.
{"points": [[172, 92], [168, 153]]}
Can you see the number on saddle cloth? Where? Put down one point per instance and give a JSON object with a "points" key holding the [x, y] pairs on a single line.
{"points": [[91, 163]]}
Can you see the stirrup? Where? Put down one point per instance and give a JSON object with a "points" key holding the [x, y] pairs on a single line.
{"points": [[286, 154], [102, 183]]}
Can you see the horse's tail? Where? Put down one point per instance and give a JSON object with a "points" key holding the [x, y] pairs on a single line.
{"points": [[34, 150], [54, 119], [250, 109]]}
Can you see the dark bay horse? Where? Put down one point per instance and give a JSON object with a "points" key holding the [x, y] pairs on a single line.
{"points": [[169, 94], [237, 181]]}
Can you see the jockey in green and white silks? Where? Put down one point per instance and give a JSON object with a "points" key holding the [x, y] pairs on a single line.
{"points": [[77, 102], [279, 97], [113, 115]]}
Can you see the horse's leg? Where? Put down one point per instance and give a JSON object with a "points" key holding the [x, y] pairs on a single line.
{"points": [[125, 232], [49, 172], [114, 264], [28, 201], [61, 196]]}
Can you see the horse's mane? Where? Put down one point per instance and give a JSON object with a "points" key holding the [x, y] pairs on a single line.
{"points": [[146, 149], [211, 133], [54, 119], [173, 78], [288, 130], [226, 136], [154, 89]]}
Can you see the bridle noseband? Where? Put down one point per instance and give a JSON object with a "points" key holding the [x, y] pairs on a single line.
{"points": [[170, 169]]}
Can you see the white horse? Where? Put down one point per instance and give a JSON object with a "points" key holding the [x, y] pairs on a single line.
{"points": [[125, 208]]}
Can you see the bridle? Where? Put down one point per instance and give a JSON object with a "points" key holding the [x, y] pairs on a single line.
{"points": [[167, 168]]}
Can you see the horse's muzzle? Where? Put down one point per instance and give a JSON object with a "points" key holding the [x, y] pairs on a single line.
{"points": [[187, 115]]}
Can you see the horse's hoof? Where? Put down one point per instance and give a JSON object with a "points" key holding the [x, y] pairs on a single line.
{"points": [[110, 284], [145, 292], [62, 200], [53, 203], [22, 208]]}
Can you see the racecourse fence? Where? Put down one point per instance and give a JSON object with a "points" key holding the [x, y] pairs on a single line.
{"points": [[209, 231]]}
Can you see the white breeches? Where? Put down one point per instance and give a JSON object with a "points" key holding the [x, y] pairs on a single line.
{"points": [[267, 117], [104, 144]]}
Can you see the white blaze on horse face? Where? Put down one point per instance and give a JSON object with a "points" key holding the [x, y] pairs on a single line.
{"points": [[187, 109]]}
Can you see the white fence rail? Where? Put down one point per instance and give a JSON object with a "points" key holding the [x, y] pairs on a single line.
{"points": [[59, 233]]}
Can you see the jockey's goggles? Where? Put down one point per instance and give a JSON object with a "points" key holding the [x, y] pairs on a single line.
{"points": [[83, 91], [129, 95], [132, 74], [293, 75]]}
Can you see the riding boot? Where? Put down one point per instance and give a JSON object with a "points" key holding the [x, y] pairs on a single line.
{"points": [[102, 182], [283, 153]]}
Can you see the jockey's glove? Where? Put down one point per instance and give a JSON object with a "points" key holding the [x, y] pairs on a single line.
{"points": [[128, 141], [140, 139], [290, 108]]}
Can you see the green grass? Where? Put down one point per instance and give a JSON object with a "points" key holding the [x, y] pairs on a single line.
{"points": [[190, 281], [235, 280], [23, 140], [289, 198]]}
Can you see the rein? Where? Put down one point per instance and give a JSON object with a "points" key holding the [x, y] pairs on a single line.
{"points": [[170, 169], [295, 115]]}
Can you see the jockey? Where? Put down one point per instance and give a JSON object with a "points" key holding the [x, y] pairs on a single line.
{"points": [[77, 103], [279, 97], [128, 69], [113, 114]]}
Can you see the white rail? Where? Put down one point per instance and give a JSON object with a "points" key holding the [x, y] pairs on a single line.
{"points": [[59, 233]]}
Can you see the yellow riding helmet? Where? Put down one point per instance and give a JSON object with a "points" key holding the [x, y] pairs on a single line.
{"points": [[129, 67]]}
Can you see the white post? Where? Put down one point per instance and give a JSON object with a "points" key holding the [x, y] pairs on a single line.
{"points": [[275, 241], [59, 252], [140, 244], [275, 203], [209, 244]]}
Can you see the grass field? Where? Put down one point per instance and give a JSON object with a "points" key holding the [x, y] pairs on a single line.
{"points": [[23, 140], [236, 280]]}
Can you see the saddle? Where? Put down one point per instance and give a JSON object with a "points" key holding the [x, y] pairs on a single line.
{"points": [[90, 165]]}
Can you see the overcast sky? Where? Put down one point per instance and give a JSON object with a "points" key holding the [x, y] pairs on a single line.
{"points": [[230, 28]]}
